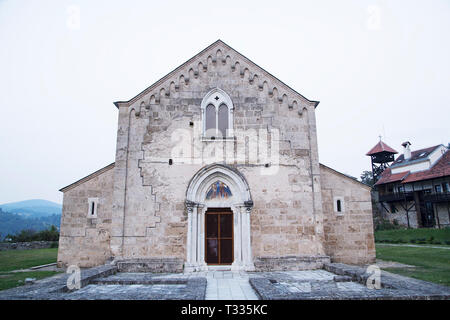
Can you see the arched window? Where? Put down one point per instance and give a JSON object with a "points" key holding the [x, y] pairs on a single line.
{"points": [[223, 120], [210, 120], [217, 115], [339, 205]]}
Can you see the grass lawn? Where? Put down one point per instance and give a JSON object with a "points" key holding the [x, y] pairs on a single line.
{"points": [[22, 259], [420, 236], [431, 264]]}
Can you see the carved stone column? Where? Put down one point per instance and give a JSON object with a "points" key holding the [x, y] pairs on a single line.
{"points": [[247, 246], [191, 242], [189, 237], [237, 227], [201, 239]]}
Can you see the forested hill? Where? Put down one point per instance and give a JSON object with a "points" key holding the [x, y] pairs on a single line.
{"points": [[31, 214]]}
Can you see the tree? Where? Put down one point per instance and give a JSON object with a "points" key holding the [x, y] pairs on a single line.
{"points": [[367, 178]]}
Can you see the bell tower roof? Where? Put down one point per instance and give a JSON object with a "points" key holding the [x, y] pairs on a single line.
{"points": [[379, 148]]}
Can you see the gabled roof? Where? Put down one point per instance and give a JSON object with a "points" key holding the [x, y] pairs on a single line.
{"points": [[421, 154], [88, 177], [193, 59], [346, 176], [440, 169], [380, 147]]}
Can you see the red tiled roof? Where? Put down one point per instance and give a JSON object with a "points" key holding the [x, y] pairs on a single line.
{"points": [[388, 177], [440, 169], [380, 147]]}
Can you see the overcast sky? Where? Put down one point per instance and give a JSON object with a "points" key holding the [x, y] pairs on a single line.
{"points": [[377, 68]]}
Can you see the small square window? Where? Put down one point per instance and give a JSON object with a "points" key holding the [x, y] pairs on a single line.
{"points": [[438, 188]]}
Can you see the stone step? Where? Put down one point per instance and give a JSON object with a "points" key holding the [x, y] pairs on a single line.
{"points": [[156, 265], [219, 268], [291, 263]]}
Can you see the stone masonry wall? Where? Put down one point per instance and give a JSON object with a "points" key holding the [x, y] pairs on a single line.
{"points": [[85, 241], [150, 219], [142, 211], [441, 213], [348, 236], [399, 216]]}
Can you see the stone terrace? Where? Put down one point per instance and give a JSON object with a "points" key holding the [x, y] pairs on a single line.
{"points": [[335, 281]]}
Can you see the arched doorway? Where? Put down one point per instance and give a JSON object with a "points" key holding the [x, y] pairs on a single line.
{"points": [[219, 204]]}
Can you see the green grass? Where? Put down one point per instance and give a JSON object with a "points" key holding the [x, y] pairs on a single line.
{"points": [[431, 264], [11, 280], [23, 259], [420, 236]]}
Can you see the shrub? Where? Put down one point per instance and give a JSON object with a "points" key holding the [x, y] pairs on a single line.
{"points": [[387, 225], [422, 241], [28, 235]]}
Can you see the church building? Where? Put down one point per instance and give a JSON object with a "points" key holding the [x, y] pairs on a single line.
{"points": [[216, 166]]}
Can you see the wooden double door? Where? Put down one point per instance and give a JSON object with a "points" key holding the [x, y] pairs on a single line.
{"points": [[219, 236]]}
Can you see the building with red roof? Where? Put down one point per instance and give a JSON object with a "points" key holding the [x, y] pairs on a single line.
{"points": [[414, 189]]}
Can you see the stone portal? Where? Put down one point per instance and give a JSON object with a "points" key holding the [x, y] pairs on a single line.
{"points": [[219, 205]]}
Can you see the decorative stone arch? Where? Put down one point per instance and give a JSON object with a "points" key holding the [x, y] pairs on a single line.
{"points": [[240, 203], [217, 97]]}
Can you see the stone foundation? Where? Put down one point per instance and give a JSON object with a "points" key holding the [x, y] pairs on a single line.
{"points": [[290, 263], [158, 265]]}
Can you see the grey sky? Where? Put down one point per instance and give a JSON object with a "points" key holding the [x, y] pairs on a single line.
{"points": [[377, 67]]}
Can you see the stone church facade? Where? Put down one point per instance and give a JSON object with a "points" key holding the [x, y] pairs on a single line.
{"points": [[217, 164]]}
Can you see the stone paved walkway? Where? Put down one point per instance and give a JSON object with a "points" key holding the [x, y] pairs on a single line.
{"points": [[223, 285]]}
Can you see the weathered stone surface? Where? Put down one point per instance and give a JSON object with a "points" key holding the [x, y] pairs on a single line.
{"points": [[156, 265], [142, 212], [338, 281], [290, 263], [348, 236], [306, 285]]}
